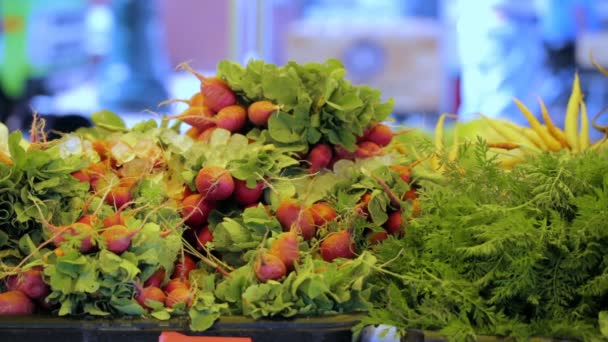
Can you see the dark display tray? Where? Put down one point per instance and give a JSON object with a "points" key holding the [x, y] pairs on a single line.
{"points": [[44, 328]]}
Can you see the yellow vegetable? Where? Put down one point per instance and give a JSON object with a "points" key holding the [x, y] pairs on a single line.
{"points": [[571, 122], [551, 142], [583, 142], [555, 131]]}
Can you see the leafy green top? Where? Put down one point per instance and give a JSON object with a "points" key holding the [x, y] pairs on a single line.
{"points": [[317, 103]]}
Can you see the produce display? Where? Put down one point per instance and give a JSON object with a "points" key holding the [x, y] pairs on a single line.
{"points": [[289, 194]]}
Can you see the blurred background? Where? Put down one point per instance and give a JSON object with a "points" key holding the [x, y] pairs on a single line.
{"points": [[68, 58]]}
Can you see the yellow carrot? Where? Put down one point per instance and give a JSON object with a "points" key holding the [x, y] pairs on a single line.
{"points": [[583, 142], [504, 145], [596, 64], [511, 132], [572, 112], [453, 155], [552, 143], [439, 137], [600, 144], [557, 133]]}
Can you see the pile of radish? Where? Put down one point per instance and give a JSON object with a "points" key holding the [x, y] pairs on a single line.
{"points": [[266, 184]]}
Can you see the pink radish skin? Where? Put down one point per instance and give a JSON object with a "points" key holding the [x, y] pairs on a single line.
{"points": [[178, 295], [78, 230], [30, 283], [340, 152], [380, 134], [269, 267], [285, 247], [205, 135], [150, 293], [196, 210], [368, 149], [338, 245], [215, 92], [377, 237], [157, 278], [259, 112], [200, 117], [246, 196], [232, 118], [292, 216], [203, 236], [81, 175], [118, 238], [394, 224], [119, 196], [175, 283], [322, 213], [319, 157], [215, 183], [14, 303], [117, 218], [183, 267]]}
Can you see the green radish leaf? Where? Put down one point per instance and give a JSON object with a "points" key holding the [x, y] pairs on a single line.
{"points": [[108, 120], [603, 323]]}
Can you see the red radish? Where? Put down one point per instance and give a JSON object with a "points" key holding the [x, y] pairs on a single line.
{"points": [[199, 117], [203, 236], [367, 149], [319, 157], [205, 135], [81, 231], [176, 283], [29, 282], [232, 118], [118, 238], [197, 100], [114, 219], [118, 196], [177, 296], [193, 132], [405, 172], [96, 171], [89, 219], [130, 181], [293, 216], [150, 293], [183, 267], [102, 148], [380, 134], [394, 224], [259, 112], [245, 195], [361, 207], [215, 91], [411, 194], [338, 245], [117, 218], [269, 267], [81, 175], [377, 237], [196, 209], [15, 303], [285, 247], [340, 152], [215, 183], [322, 213], [157, 278]]}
